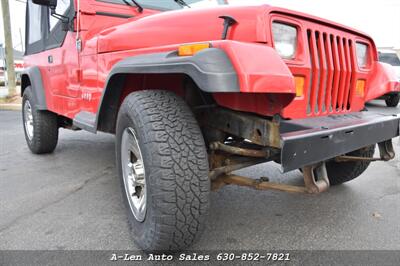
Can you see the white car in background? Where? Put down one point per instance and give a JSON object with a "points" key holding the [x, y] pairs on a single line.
{"points": [[390, 57]]}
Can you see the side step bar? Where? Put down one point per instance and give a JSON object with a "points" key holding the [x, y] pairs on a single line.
{"points": [[86, 121]]}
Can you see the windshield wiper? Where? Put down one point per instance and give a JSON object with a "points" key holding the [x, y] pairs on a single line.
{"points": [[139, 7], [182, 3]]}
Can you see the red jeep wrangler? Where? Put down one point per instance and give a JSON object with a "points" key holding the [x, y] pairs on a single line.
{"points": [[194, 94]]}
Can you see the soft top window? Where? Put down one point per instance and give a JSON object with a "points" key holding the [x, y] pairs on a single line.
{"points": [[62, 8], [35, 29], [43, 32]]}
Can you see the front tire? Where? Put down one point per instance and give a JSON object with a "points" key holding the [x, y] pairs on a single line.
{"points": [[40, 127], [392, 100], [342, 172], [162, 162]]}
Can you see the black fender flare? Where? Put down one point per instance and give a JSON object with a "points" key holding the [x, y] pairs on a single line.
{"points": [[32, 77], [211, 70]]}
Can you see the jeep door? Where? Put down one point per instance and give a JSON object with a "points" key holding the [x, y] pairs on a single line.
{"points": [[51, 45], [62, 58]]}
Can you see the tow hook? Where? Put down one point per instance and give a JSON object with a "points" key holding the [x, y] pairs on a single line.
{"points": [[316, 178], [386, 151]]}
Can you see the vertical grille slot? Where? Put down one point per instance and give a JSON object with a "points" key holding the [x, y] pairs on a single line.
{"points": [[332, 73], [336, 79], [314, 71], [353, 61], [343, 74], [348, 76], [323, 73]]}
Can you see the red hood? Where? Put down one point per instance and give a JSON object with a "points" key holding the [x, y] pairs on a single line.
{"points": [[182, 26], [197, 25]]}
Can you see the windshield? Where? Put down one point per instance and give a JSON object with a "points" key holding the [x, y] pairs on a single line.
{"points": [[390, 58], [168, 4]]}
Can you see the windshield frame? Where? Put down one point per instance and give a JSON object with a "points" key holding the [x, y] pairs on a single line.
{"points": [[153, 7]]}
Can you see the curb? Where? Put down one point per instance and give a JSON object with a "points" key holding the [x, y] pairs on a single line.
{"points": [[10, 106]]}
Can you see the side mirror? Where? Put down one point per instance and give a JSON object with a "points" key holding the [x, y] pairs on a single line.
{"points": [[52, 4], [49, 3]]}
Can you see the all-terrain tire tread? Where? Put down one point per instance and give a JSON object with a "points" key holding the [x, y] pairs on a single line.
{"points": [[45, 125], [179, 168]]}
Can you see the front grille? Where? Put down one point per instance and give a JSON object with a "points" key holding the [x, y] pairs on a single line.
{"points": [[333, 64]]}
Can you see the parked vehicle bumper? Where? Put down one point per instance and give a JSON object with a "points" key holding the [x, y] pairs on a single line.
{"points": [[309, 141], [383, 81], [390, 94]]}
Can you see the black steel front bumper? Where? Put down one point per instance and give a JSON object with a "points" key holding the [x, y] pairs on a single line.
{"points": [[309, 141]]}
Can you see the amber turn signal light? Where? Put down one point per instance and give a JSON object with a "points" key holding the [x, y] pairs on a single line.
{"points": [[299, 81], [191, 49], [360, 88]]}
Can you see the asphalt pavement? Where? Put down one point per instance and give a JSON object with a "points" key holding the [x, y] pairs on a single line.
{"points": [[71, 199]]}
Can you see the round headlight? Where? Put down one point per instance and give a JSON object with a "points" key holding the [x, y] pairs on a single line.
{"points": [[285, 39]]}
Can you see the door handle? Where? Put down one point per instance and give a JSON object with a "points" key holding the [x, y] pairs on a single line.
{"points": [[50, 59]]}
